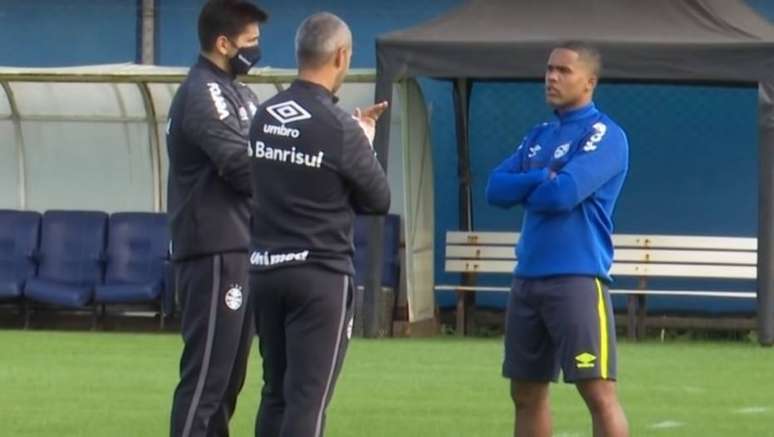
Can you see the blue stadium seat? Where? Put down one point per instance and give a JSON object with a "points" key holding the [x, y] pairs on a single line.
{"points": [[136, 259], [391, 260], [19, 237], [71, 254]]}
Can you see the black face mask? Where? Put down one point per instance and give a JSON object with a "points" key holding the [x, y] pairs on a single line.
{"points": [[245, 59]]}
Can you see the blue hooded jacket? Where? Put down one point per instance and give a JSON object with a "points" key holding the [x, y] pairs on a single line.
{"points": [[567, 174]]}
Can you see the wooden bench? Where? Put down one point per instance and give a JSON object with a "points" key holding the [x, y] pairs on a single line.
{"points": [[640, 256]]}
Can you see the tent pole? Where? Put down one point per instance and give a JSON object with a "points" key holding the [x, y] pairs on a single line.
{"points": [[462, 89], [766, 214], [373, 303]]}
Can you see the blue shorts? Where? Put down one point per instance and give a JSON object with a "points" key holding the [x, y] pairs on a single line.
{"points": [[563, 322]]}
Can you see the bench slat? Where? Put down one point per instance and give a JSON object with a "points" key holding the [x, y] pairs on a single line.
{"points": [[476, 265], [684, 270], [731, 294], [470, 288], [482, 252], [619, 268], [685, 242], [619, 240], [687, 256], [460, 237], [641, 255], [697, 293]]}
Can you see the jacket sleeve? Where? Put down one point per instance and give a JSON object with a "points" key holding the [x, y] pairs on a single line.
{"points": [[361, 169], [600, 158], [508, 185], [212, 123]]}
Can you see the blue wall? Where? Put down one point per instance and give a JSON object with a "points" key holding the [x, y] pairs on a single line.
{"points": [[45, 33], [178, 43]]}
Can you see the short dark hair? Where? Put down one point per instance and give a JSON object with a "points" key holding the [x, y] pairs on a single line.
{"points": [[586, 52], [318, 37], [226, 17]]}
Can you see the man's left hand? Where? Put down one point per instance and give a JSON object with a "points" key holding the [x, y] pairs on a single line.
{"points": [[373, 112]]}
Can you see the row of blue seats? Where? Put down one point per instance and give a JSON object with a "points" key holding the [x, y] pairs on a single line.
{"points": [[82, 259], [87, 259]]}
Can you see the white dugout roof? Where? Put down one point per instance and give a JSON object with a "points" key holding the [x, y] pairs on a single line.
{"points": [[93, 138]]}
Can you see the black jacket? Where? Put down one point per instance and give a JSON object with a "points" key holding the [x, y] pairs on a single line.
{"points": [[313, 170], [209, 169]]}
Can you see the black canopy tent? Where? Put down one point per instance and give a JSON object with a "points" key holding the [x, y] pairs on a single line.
{"points": [[721, 42]]}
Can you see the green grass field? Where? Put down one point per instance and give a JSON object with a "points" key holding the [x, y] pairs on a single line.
{"points": [[108, 384]]}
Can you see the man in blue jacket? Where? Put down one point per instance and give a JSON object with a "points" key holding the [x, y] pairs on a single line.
{"points": [[567, 175]]}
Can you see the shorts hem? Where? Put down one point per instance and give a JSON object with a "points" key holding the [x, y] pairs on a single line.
{"points": [[508, 374], [589, 378]]}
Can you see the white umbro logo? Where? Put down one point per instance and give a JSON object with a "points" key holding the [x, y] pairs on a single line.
{"points": [[288, 112]]}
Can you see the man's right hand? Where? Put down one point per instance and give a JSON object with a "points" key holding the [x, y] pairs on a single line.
{"points": [[367, 119], [368, 125]]}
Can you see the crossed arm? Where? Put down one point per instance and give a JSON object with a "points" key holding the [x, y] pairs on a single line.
{"points": [[597, 161]]}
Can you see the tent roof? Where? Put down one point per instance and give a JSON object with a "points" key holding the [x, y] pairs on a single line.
{"points": [[682, 40]]}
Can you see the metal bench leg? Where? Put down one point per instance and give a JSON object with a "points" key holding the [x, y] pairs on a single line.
{"points": [[641, 313], [461, 316], [631, 317]]}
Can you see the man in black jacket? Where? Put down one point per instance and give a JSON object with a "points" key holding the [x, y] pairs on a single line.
{"points": [[208, 205], [313, 169]]}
